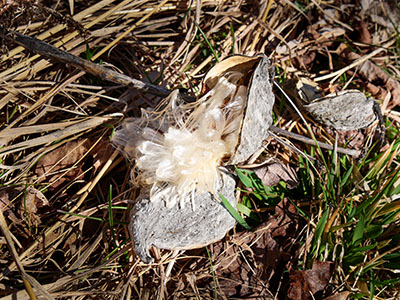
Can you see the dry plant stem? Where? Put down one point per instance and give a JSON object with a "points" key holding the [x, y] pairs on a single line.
{"points": [[109, 46], [83, 194], [14, 254], [338, 73], [79, 17], [292, 147], [351, 152], [52, 52]]}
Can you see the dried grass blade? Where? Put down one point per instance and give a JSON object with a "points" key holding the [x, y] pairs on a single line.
{"points": [[55, 136], [12, 133], [90, 67], [7, 235], [129, 30], [84, 256], [53, 91], [52, 31]]}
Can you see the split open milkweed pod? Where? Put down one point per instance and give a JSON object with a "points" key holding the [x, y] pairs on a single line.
{"points": [[180, 150], [345, 110]]}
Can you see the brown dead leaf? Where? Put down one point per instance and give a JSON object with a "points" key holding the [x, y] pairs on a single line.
{"points": [[364, 34], [54, 165], [374, 74], [284, 221], [272, 174], [20, 206], [385, 13], [376, 90], [353, 139], [71, 243], [250, 263], [240, 275], [305, 61], [310, 284], [6, 206], [32, 199], [101, 153]]}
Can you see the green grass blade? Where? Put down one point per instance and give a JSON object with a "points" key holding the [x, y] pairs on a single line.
{"points": [[244, 209], [358, 231], [207, 41], [346, 176], [213, 274], [234, 213], [110, 215], [233, 37], [318, 232], [244, 179]]}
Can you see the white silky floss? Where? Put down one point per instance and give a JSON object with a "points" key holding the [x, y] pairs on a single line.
{"points": [[188, 155]]}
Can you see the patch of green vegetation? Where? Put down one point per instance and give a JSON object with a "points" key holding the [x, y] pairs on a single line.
{"points": [[89, 53], [257, 196], [357, 216], [355, 213], [302, 6]]}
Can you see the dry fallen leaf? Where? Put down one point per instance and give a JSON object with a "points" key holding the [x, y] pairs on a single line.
{"points": [[31, 200], [20, 205], [57, 165], [372, 73], [272, 174], [248, 258], [364, 34], [7, 206], [310, 284], [354, 139], [385, 13]]}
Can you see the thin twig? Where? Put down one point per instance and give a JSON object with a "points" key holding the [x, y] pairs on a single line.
{"points": [[351, 152], [55, 53]]}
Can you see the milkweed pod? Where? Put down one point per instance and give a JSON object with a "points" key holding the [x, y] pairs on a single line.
{"points": [[257, 117], [240, 64], [345, 110], [181, 151], [154, 224]]}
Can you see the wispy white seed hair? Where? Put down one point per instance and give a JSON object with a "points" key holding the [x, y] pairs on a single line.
{"points": [[180, 148]]}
